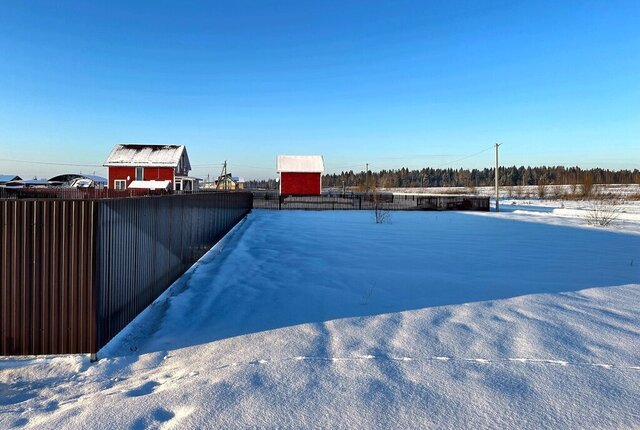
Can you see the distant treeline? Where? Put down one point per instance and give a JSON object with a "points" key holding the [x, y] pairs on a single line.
{"points": [[509, 176]]}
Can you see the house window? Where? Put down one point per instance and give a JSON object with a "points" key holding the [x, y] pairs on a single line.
{"points": [[120, 184], [139, 173], [178, 185]]}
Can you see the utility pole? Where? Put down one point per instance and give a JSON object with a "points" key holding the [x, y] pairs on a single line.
{"points": [[223, 176], [366, 178], [497, 188]]}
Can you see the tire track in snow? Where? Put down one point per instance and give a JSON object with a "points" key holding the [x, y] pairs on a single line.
{"points": [[519, 360]]}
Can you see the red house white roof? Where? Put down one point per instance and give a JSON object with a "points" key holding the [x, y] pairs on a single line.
{"points": [[143, 155], [300, 163]]}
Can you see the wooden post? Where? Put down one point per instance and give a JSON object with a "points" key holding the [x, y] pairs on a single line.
{"points": [[497, 188]]}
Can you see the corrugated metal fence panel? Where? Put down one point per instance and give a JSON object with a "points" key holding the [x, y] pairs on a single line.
{"points": [[73, 273], [47, 267], [148, 243]]}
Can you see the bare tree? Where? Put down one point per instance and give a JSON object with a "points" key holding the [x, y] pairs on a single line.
{"points": [[518, 192], [587, 185], [542, 188], [574, 189], [558, 192], [603, 211], [380, 214]]}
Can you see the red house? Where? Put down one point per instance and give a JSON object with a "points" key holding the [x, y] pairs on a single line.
{"points": [[300, 174], [144, 163]]}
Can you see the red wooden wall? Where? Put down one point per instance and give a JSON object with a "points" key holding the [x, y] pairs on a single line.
{"points": [[150, 174], [299, 183]]}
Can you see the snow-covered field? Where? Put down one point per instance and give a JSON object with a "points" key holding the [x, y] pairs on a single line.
{"points": [[626, 214], [527, 191], [328, 320]]}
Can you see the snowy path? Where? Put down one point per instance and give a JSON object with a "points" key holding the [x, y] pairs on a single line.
{"points": [[320, 320]]}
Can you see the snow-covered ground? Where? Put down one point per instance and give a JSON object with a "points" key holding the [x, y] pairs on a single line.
{"points": [[328, 320], [625, 214], [526, 191]]}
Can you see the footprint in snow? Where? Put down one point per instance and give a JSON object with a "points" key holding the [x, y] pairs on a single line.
{"points": [[20, 422], [161, 418], [144, 389]]}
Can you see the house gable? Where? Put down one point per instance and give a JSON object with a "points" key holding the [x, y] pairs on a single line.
{"points": [[139, 155]]}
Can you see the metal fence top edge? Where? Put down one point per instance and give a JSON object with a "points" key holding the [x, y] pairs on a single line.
{"points": [[102, 199]]}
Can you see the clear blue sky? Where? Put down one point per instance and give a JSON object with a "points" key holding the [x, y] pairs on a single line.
{"points": [[421, 83]]}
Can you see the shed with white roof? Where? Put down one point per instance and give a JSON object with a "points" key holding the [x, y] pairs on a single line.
{"points": [[300, 174]]}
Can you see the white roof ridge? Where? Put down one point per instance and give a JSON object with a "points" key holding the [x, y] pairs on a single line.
{"points": [[300, 163], [147, 154]]}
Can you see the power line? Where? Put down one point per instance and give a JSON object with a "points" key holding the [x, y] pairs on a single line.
{"points": [[50, 163], [464, 158], [430, 155], [255, 167], [344, 167], [412, 156], [404, 157]]}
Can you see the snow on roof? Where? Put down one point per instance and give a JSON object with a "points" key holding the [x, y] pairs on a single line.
{"points": [[68, 177], [300, 163], [96, 178], [34, 182], [151, 185], [129, 154], [9, 178]]}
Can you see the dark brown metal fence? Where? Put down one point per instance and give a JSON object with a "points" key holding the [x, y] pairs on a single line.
{"points": [[73, 273], [147, 243], [67, 193], [47, 268]]}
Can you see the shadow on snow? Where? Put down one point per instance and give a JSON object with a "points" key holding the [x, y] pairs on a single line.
{"points": [[285, 268]]}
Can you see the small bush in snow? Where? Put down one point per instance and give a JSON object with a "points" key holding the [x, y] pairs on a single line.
{"points": [[587, 188], [542, 188], [603, 212], [380, 214]]}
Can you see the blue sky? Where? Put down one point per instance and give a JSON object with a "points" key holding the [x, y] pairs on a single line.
{"points": [[390, 83]]}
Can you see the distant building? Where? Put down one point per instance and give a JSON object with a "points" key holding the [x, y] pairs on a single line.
{"points": [[140, 162], [35, 183], [238, 181], [78, 180], [6, 179], [300, 174], [227, 183]]}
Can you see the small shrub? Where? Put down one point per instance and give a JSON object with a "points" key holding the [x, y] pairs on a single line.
{"points": [[542, 188], [587, 186], [574, 189], [603, 212], [380, 214], [518, 192], [557, 192]]}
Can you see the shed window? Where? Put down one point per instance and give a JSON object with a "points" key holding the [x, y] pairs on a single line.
{"points": [[139, 173], [120, 184]]}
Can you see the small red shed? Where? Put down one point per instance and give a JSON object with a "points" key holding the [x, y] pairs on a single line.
{"points": [[300, 174], [143, 162]]}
